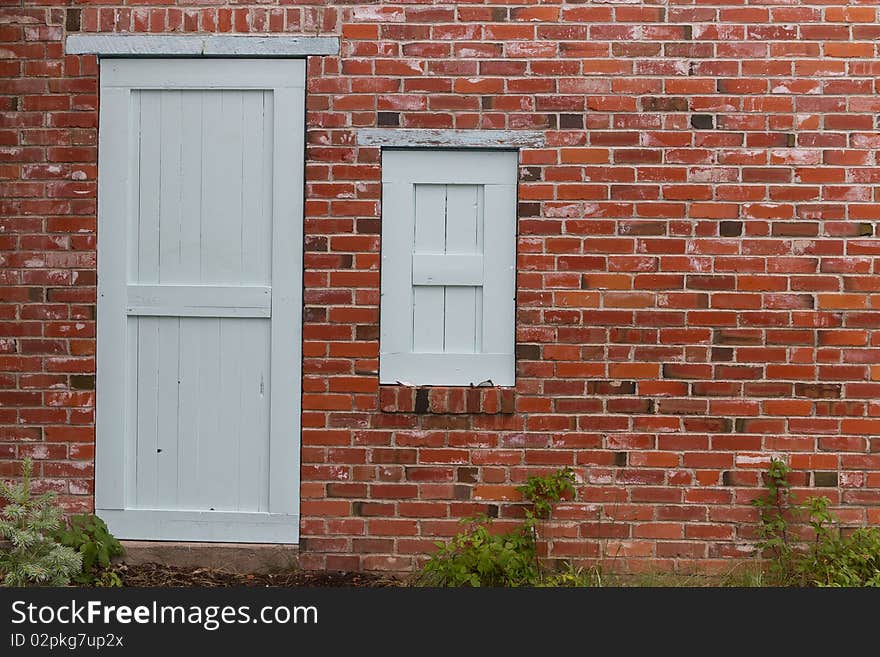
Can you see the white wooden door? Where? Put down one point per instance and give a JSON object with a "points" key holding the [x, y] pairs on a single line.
{"points": [[199, 298]]}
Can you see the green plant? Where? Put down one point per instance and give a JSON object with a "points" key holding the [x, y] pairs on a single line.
{"points": [[833, 558], [479, 557], [840, 560], [775, 508], [89, 536], [29, 522], [544, 492], [108, 578]]}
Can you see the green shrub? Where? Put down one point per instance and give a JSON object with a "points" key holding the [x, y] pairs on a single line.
{"points": [[839, 560], [479, 557], [833, 558], [29, 523], [89, 536]]}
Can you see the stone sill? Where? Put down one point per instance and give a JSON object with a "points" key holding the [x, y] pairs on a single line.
{"points": [[442, 400]]}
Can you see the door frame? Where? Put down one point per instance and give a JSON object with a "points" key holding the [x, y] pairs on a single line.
{"points": [[116, 184]]}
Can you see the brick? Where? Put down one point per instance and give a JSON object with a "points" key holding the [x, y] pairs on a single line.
{"points": [[664, 104], [702, 121]]}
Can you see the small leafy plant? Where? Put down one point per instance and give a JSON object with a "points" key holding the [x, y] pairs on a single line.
{"points": [[545, 492], [775, 508], [89, 536], [833, 558], [479, 557], [29, 523]]}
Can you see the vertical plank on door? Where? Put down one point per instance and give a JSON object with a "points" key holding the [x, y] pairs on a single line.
{"points": [[253, 443], [214, 201], [225, 445], [188, 418], [150, 186], [222, 187], [167, 460], [128, 438], [147, 411], [462, 221], [188, 268], [428, 300], [113, 367], [255, 229], [169, 186], [287, 245], [210, 474]]}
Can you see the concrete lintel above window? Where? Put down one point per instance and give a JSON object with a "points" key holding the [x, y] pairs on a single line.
{"points": [[227, 45], [420, 138]]}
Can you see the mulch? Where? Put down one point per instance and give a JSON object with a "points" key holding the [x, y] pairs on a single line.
{"points": [[158, 575]]}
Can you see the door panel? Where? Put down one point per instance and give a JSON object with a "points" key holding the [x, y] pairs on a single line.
{"points": [[200, 261]]}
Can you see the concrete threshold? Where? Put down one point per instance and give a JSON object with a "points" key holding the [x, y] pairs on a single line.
{"points": [[231, 557]]}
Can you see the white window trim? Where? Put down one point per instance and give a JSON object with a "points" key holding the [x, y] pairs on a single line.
{"points": [[227, 45], [398, 364]]}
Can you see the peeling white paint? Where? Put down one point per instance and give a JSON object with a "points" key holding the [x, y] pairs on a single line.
{"points": [[799, 247], [417, 137], [745, 459], [570, 210], [601, 478], [700, 265], [682, 67], [378, 14], [39, 452]]}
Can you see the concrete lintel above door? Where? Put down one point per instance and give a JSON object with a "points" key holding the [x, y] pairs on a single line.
{"points": [[173, 45]]}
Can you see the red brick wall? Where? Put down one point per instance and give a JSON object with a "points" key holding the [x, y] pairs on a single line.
{"points": [[697, 284]]}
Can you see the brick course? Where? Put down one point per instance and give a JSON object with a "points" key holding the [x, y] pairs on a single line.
{"points": [[696, 259]]}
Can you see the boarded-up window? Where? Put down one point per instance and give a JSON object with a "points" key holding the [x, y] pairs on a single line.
{"points": [[448, 267]]}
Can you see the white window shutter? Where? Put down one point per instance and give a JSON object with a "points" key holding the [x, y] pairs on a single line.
{"points": [[448, 267]]}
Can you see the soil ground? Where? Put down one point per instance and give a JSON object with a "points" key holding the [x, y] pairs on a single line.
{"points": [[153, 574]]}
